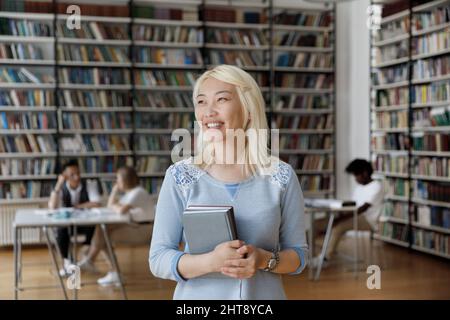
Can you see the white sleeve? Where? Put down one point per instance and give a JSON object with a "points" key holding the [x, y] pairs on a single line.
{"points": [[373, 193], [92, 190]]}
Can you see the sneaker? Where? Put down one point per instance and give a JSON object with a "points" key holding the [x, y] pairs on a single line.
{"points": [[64, 271], [88, 266], [111, 278]]}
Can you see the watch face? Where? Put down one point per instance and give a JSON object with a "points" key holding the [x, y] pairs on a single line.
{"points": [[272, 263]]}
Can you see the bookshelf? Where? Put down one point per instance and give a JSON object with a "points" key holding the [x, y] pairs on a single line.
{"points": [[410, 99], [112, 92]]}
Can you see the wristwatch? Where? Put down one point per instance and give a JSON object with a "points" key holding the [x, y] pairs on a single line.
{"points": [[273, 261]]}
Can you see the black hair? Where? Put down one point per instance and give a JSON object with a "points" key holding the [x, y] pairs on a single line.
{"points": [[70, 163], [358, 166]]}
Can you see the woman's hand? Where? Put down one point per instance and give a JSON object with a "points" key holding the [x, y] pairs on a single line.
{"points": [[115, 189], [246, 267], [224, 252], [60, 182]]}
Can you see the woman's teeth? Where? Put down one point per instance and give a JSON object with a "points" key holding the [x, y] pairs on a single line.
{"points": [[214, 125]]}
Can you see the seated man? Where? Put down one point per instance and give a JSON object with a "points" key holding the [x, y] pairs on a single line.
{"points": [[368, 196], [71, 192]]}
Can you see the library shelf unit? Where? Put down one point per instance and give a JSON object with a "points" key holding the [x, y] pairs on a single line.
{"points": [[410, 124]]}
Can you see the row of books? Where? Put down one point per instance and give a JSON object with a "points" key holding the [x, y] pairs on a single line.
{"points": [[389, 163], [25, 28], [96, 98], [431, 240], [152, 164], [152, 185], [238, 58], [305, 60], [237, 37], [151, 12], [34, 120], [168, 56], [390, 75], [108, 164], [303, 19], [399, 210], [94, 76], [113, 10], [393, 119], [434, 17], [20, 51], [34, 98], [432, 216], [392, 29], [221, 14], [173, 34], [394, 231], [293, 101], [396, 187], [94, 30], [434, 117], [431, 141], [164, 78], [27, 143], [26, 6], [154, 142], [431, 43], [14, 167], [434, 167], [164, 121], [389, 141], [28, 189], [391, 52], [93, 143], [94, 121], [164, 100], [299, 39], [313, 121], [434, 67], [306, 142], [308, 81], [437, 191], [391, 97], [316, 183], [435, 92], [86, 53], [309, 162], [23, 75]]}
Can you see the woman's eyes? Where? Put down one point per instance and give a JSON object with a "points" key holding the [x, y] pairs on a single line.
{"points": [[221, 99]]}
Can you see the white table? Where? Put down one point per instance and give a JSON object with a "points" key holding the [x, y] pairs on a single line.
{"points": [[331, 212], [29, 218]]}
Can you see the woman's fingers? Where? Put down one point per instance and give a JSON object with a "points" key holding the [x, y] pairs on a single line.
{"points": [[236, 244], [236, 263], [245, 249]]}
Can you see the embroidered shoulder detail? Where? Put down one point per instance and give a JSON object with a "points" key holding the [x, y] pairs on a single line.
{"points": [[185, 173], [281, 174]]}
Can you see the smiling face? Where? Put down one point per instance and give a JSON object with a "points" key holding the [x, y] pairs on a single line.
{"points": [[217, 107]]}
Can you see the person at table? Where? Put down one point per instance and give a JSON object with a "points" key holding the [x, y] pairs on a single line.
{"points": [[127, 197], [71, 192], [368, 196]]}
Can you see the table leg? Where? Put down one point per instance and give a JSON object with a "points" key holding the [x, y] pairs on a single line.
{"points": [[55, 261], [355, 228], [113, 259], [311, 244], [16, 262], [74, 257], [326, 240]]}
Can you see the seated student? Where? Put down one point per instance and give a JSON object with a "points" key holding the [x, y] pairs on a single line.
{"points": [[71, 192], [135, 201], [368, 196]]}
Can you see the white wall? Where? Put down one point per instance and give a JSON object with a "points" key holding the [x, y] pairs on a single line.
{"points": [[352, 89]]}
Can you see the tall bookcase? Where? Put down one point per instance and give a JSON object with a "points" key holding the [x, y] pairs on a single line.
{"points": [[410, 117], [115, 89]]}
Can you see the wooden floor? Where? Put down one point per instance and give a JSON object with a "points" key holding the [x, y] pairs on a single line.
{"points": [[404, 275]]}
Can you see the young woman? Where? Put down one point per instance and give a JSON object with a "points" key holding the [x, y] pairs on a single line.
{"points": [[267, 200], [134, 201]]}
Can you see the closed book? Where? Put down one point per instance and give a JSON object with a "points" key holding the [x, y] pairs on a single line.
{"points": [[207, 226]]}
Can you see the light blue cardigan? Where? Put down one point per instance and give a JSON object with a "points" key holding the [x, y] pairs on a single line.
{"points": [[269, 213]]}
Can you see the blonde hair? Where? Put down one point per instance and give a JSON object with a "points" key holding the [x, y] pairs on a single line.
{"points": [[253, 105]]}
